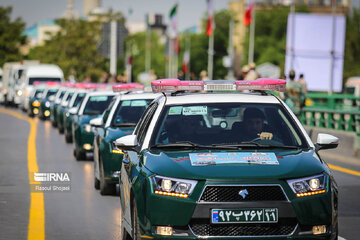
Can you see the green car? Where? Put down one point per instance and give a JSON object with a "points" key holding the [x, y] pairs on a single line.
{"points": [[118, 120], [91, 107], [34, 101], [75, 101], [53, 108], [225, 166], [62, 108], [48, 97]]}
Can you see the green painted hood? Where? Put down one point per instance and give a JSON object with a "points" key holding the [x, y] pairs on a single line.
{"points": [[292, 164]]}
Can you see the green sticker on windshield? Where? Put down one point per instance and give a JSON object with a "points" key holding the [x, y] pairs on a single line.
{"points": [[175, 110], [138, 103], [98, 98], [126, 103], [194, 110]]}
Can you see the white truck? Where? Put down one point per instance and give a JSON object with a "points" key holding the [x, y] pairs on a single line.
{"points": [[38, 73]]}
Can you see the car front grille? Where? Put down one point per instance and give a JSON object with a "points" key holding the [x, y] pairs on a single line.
{"points": [[285, 226], [232, 193]]}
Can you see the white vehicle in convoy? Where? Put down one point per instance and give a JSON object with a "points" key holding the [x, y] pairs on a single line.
{"points": [[38, 73], [12, 81]]}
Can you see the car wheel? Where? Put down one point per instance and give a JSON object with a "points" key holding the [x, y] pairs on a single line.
{"points": [[80, 155], [68, 139], [53, 123], [61, 130], [135, 222], [124, 234], [96, 183], [105, 188]]}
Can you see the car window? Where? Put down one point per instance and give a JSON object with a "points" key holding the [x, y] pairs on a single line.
{"points": [[225, 123], [107, 111], [97, 104], [130, 111], [145, 121], [78, 99]]}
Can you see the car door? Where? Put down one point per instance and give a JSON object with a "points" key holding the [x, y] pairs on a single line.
{"points": [[130, 166]]}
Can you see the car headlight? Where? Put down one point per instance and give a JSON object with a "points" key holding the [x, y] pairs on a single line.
{"points": [[19, 93], [173, 186], [36, 103], [47, 104], [87, 127], [308, 186]]}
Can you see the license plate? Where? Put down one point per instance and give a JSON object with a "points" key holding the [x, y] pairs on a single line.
{"points": [[248, 215]]}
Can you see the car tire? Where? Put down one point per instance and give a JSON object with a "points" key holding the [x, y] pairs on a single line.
{"points": [[105, 188], [80, 155], [61, 130], [53, 124], [135, 222], [68, 139], [96, 183]]}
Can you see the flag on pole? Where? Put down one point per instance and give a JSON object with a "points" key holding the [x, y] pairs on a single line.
{"points": [[185, 64], [177, 44], [248, 13], [210, 21], [173, 28]]}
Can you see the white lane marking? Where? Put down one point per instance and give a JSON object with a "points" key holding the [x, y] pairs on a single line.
{"points": [[341, 238]]}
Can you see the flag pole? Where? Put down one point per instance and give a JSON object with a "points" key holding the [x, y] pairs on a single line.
{"points": [[148, 46], [210, 56], [332, 47], [292, 11], [188, 46], [252, 34]]}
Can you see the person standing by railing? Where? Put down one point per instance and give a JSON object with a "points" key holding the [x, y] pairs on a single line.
{"points": [[294, 94]]}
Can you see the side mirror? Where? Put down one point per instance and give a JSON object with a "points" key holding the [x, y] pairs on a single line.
{"points": [[128, 142], [52, 98], [73, 111], [38, 95], [326, 141], [96, 122], [64, 104]]}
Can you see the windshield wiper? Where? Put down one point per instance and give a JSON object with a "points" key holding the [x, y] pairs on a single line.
{"points": [[188, 144], [124, 124], [254, 144]]}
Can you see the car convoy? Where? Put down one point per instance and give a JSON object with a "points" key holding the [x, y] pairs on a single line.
{"points": [[196, 159]]}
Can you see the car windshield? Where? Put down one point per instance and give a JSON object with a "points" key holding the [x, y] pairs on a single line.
{"points": [[51, 92], [43, 79], [97, 104], [129, 111], [78, 99], [228, 125]]}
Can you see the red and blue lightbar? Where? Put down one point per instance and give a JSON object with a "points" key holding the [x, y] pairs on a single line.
{"points": [[47, 83], [261, 84], [86, 85], [126, 87]]}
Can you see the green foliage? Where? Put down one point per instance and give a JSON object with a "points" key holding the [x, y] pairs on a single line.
{"points": [[270, 35], [138, 51], [74, 49], [10, 36], [352, 45]]}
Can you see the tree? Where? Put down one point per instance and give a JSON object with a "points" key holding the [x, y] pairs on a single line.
{"points": [[10, 36], [74, 49], [352, 45]]}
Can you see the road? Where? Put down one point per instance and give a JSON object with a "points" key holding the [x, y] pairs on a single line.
{"points": [[82, 213]]}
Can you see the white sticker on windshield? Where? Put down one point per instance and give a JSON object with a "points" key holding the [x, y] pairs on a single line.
{"points": [[195, 110], [138, 103], [175, 110]]}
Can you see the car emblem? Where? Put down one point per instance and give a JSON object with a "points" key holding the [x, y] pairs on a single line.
{"points": [[243, 193]]}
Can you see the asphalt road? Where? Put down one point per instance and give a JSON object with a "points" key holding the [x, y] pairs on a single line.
{"points": [[82, 213]]}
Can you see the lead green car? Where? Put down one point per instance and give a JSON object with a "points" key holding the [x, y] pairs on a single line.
{"points": [[93, 105], [118, 120], [225, 166]]}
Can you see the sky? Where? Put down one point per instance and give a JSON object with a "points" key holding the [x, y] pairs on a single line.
{"points": [[190, 12]]}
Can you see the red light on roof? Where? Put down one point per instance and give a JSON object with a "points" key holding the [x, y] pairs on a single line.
{"points": [[128, 87], [163, 85]]}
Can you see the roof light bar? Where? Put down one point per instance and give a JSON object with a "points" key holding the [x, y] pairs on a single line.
{"points": [[128, 87], [261, 84], [163, 85]]}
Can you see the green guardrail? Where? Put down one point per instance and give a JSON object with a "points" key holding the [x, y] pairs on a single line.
{"points": [[343, 120], [334, 101]]}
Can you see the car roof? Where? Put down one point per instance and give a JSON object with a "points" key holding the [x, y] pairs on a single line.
{"points": [[100, 93], [140, 96], [220, 98]]}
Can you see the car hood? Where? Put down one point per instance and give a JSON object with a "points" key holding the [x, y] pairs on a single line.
{"points": [[292, 164], [85, 119]]}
